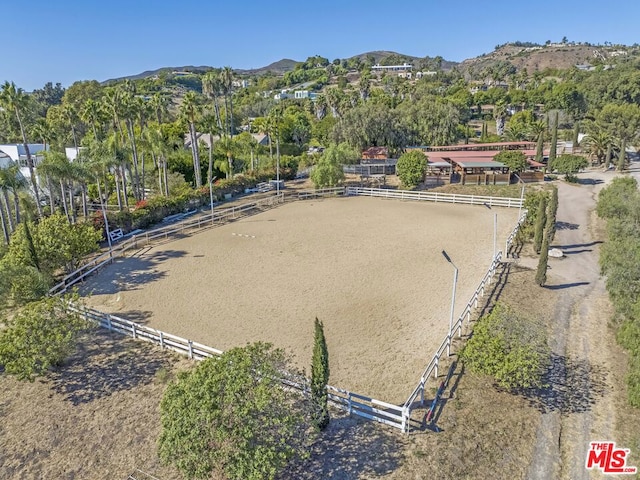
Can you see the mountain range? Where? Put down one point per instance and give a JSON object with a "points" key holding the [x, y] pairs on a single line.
{"points": [[523, 56]]}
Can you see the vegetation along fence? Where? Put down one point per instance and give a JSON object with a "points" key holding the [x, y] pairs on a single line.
{"points": [[138, 240], [350, 402], [472, 304]]}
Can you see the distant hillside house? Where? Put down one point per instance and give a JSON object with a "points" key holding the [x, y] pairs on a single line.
{"points": [[282, 95], [72, 152], [392, 68], [240, 83], [300, 94]]}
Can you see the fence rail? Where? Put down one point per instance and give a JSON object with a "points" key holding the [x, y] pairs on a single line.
{"points": [[350, 402], [144, 238], [436, 197], [397, 416]]}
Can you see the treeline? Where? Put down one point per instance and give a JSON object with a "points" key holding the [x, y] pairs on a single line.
{"points": [[619, 204]]}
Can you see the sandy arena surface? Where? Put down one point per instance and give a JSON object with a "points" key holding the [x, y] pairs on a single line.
{"points": [[370, 269]]}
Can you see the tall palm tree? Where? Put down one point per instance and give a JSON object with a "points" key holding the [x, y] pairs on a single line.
{"points": [[15, 100], [226, 77], [211, 87], [190, 110], [159, 106], [91, 113], [12, 181], [129, 113], [159, 150]]}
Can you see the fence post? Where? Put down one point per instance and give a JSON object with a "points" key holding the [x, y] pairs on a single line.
{"points": [[161, 339], [109, 326], [190, 349], [405, 420], [436, 368], [133, 330], [349, 403]]}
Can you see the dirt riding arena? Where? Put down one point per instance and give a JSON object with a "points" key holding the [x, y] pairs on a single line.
{"points": [[371, 269]]}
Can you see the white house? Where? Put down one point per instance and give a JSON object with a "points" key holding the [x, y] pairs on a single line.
{"points": [[72, 152], [17, 153]]}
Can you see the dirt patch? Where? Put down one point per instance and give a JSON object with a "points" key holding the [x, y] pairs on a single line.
{"points": [[370, 269]]}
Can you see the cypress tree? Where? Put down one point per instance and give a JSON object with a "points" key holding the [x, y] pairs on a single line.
{"points": [[576, 133], [319, 378], [554, 143], [541, 221], [623, 152], [552, 211], [33, 256], [541, 272], [540, 148], [609, 155]]}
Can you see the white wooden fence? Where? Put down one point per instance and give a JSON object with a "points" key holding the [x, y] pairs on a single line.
{"points": [[472, 304], [397, 416], [436, 197], [135, 241]]}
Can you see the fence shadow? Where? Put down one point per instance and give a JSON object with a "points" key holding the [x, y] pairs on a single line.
{"points": [[571, 386], [106, 363], [349, 449], [577, 245]]}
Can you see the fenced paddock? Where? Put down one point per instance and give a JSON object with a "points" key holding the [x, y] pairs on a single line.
{"points": [[369, 268]]}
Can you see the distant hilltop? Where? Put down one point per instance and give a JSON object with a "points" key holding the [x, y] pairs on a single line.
{"points": [[527, 56]]}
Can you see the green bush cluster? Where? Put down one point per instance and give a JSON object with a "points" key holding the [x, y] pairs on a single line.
{"points": [[156, 208], [619, 204], [509, 347]]}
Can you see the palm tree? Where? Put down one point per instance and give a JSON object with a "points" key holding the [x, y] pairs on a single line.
{"points": [[15, 100], [159, 106], [500, 114], [599, 143], [56, 166], [211, 87], [159, 149], [91, 113], [12, 181], [190, 110], [537, 131], [129, 112], [226, 77]]}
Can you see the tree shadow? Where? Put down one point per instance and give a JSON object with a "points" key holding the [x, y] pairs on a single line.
{"points": [[140, 317], [130, 273], [565, 285], [571, 386], [589, 181], [105, 363], [577, 245], [573, 252], [567, 226], [349, 449]]}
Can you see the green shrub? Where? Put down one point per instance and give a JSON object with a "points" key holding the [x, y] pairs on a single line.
{"points": [[509, 347]]}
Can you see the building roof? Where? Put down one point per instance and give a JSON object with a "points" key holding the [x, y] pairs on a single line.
{"points": [[375, 151], [533, 163], [480, 164]]}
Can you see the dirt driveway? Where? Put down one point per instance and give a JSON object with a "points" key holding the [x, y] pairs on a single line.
{"points": [[582, 395]]}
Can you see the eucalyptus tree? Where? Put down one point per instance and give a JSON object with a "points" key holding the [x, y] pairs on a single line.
{"points": [[15, 100], [191, 112]]}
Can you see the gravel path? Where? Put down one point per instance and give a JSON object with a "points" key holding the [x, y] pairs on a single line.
{"points": [[579, 402]]}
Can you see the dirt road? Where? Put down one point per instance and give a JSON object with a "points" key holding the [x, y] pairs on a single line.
{"points": [[579, 402]]}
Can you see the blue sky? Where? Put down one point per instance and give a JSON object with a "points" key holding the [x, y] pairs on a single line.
{"points": [[68, 40]]}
